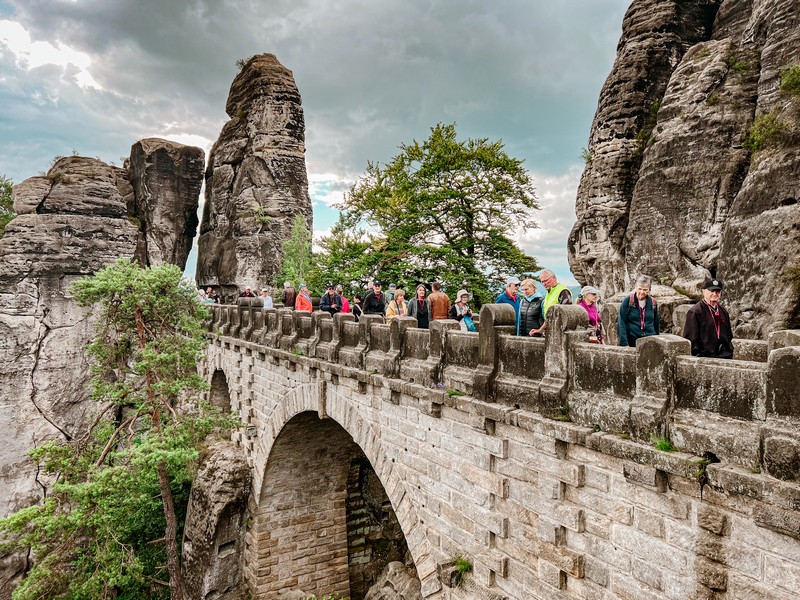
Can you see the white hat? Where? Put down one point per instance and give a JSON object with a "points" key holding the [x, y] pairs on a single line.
{"points": [[512, 280], [461, 293], [588, 289]]}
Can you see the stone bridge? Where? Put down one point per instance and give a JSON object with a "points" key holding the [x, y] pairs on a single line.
{"points": [[533, 459]]}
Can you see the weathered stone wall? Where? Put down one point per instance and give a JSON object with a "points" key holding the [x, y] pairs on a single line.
{"points": [[75, 220], [548, 481], [672, 190]]}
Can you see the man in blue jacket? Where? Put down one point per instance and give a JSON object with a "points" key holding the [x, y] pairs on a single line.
{"points": [[638, 315], [511, 295]]}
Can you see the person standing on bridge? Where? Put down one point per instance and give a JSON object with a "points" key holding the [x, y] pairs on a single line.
{"points": [[511, 296], [419, 307], [303, 301], [708, 326], [530, 310], [266, 298], [557, 293], [331, 302], [638, 315], [345, 301], [288, 295], [397, 307], [439, 303], [374, 302], [590, 302]]}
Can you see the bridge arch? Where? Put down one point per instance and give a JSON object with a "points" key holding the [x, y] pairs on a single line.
{"points": [[300, 524]]}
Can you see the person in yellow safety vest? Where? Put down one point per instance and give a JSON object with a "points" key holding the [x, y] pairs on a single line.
{"points": [[557, 293]]}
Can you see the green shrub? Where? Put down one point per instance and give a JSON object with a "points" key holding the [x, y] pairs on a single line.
{"points": [[463, 566], [713, 100], [662, 443], [794, 274], [586, 156], [765, 129], [737, 65], [645, 136], [790, 80], [454, 392]]}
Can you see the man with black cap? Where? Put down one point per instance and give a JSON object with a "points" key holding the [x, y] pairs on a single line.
{"points": [[331, 302], [374, 302], [708, 326]]}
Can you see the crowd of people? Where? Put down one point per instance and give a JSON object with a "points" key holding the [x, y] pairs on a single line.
{"points": [[707, 327]]}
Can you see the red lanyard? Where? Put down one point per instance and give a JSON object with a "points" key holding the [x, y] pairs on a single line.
{"points": [[642, 310], [716, 317]]}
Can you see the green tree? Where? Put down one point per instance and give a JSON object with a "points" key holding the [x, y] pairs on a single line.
{"points": [[110, 524], [6, 205], [445, 209], [297, 256]]}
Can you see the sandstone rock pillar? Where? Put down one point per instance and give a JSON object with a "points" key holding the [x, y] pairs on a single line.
{"points": [[256, 181]]}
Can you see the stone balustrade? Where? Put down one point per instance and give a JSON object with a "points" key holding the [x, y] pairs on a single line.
{"points": [[738, 411]]}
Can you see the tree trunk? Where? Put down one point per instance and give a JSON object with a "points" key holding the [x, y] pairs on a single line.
{"points": [[173, 558]]}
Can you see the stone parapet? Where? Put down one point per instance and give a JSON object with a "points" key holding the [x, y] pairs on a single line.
{"points": [[654, 390]]}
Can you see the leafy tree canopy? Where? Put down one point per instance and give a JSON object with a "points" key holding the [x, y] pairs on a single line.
{"points": [[6, 205], [109, 524], [441, 209]]}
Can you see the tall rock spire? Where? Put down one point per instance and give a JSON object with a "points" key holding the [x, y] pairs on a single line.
{"points": [[256, 179]]}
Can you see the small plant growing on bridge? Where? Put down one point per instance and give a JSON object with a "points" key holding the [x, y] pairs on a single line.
{"points": [[564, 413], [297, 352], [662, 443], [454, 392], [463, 566]]}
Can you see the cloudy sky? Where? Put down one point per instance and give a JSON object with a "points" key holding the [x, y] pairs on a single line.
{"points": [[94, 76]]}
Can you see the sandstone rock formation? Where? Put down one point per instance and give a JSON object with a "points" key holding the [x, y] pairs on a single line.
{"points": [[670, 189], [72, 222], [256, 180], [166, 179], [214, 530]]}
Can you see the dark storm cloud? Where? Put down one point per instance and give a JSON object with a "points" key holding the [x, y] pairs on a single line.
{"points": [[372, 75]]}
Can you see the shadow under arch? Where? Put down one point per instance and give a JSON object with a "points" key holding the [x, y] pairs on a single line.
{"points": [[300, 524], [219, 394]]}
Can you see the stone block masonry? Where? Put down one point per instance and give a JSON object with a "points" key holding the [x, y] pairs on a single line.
{"points": [[547, 482]]}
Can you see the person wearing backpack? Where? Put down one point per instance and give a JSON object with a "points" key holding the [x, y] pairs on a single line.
{"points": [[638, 314]]}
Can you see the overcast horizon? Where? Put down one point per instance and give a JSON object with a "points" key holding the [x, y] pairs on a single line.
{"points": [[95, 76]]}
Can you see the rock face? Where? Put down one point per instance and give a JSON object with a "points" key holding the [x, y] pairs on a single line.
{"points": [[256, 180], [166, 179], [397, 582], [214, 531], [671, 190], [72, 222]]}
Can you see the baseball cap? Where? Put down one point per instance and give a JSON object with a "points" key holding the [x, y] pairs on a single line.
{"points": [[512, 280], [712, 285]]}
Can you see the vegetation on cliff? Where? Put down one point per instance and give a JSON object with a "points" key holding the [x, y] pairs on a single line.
{"points": [[6, 204], [109, 525]]}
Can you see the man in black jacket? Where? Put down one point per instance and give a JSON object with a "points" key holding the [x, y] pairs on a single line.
{"points": [[331, 302], [374, 302], [708, 325]]}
